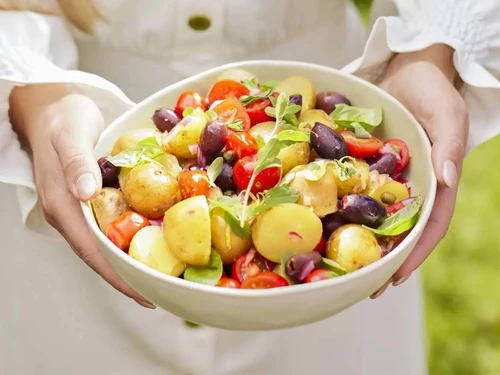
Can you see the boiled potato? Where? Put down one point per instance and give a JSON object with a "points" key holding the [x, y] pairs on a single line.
{"points": [[131, 138], [299, 85], [288, 227], [149, 190], [320, 195], [352, 247], [290, 156], [228, 245], [385, 190], [238, 75], [356, 183], [186, 228], [312, 116], [184, 134], [108, 206], [170, 163], [149, 247]]}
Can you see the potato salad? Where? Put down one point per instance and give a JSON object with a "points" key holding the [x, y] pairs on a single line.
{"points": [[257, 185]]}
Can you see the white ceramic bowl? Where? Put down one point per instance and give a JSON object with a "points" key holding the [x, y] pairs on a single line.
{"points": [[281, 307]]}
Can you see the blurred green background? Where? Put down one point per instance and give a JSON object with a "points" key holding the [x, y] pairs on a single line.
{"points": [[460, 277]]}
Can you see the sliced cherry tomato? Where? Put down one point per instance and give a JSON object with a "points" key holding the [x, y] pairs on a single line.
{"points": [[393, 208], [227, 282], [257, 111], [121, 231], [232, 109], [193, 183], [227, 88], [318, 275], [264, 280], [250, 264], [321, 246], [265, 180], [404, 153], [189, 99], [361, 147], [243, 144]]}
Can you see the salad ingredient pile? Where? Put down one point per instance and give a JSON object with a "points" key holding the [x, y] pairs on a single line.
{"points": [[257, 185]]}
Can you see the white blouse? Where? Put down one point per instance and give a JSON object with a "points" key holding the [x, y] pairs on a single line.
{"points": [[36, 48]]}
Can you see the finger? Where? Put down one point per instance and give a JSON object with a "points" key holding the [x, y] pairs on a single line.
{"points": [[448, 130], [71, 224], [435, 230]]}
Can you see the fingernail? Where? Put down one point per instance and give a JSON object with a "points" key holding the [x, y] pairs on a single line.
{"points": [[450, 176], [400, 281], [147, 304], [379, 292], [86, 186]]}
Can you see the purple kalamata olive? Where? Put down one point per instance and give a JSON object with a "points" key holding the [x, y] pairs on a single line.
{"points": [[109, 173], [165, 119], [213, 139], [299, 266], [327, 101], [331, 222], [327, 142], [363, 209], [225, 178], [385, 164]]}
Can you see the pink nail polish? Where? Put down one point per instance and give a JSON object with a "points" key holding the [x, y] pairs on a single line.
{"points": [[450, 175], [380, 291]]}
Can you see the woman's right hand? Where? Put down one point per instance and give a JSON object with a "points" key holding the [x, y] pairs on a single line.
{"points": [[62, 127]]}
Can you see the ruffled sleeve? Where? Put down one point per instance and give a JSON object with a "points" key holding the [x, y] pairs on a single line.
{"points": [[38, 49], [470, 27]]}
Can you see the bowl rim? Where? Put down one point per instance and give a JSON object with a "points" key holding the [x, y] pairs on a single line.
{"points": [[426, 209]]}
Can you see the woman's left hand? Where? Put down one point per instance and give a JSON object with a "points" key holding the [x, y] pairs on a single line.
{"points": [[424, 82]]}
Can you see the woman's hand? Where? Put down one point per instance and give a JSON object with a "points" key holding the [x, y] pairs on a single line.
{"points": [[62, 127], [424, 82]]}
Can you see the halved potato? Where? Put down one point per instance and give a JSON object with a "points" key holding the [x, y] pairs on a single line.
{"points": [[299, 85], [381, 185], [312, 116], [150, 248], [356, 183], [186, 228], [108, 206], [131, 138]]}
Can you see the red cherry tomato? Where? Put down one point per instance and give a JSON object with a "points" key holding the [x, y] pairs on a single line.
{"points": [[393, 208], [250, 264], [227, 282], [226, 88], [257, 111], [243, 144], [193, 183], [189, 99], [265, 180], [121, 231], [361, 147], [231, 108], [318, 275], [264, 280], [321, 246], [402, 149]]}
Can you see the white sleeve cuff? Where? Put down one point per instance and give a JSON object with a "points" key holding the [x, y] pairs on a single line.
{"points": [[471, 28]]}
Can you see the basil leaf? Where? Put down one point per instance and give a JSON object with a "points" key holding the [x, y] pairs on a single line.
{"points": [[246, 100], [269, 84], [344, 115], [274, 197], [359, 131], [315, 170], [345, 170], [145, 151], [334, 267], [251, 84], [215, 169], [208, 275], [266, 157], [187, 111], [270, 111], [235, 125], [260, 141], [242, 232], [401, 221], [292, 135]]}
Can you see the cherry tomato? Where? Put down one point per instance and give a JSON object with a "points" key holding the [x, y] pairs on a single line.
{"points": [[250, 264], [361, 147], [264, 280], [121, 231], [402, 149], [231, 108], [243, 144], [318, 275], [257, 111], [393, 208], [265, 180], [193, 183], [189, 99], [227, 282], [227, 88], [321, 246]]}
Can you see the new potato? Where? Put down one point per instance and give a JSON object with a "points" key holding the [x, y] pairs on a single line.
{"points": [[298, 85], [357, 182], [108, 206], [149, 190], [186, 228], [150, 248], [131, 138], [288, 227], [380, 184]]}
